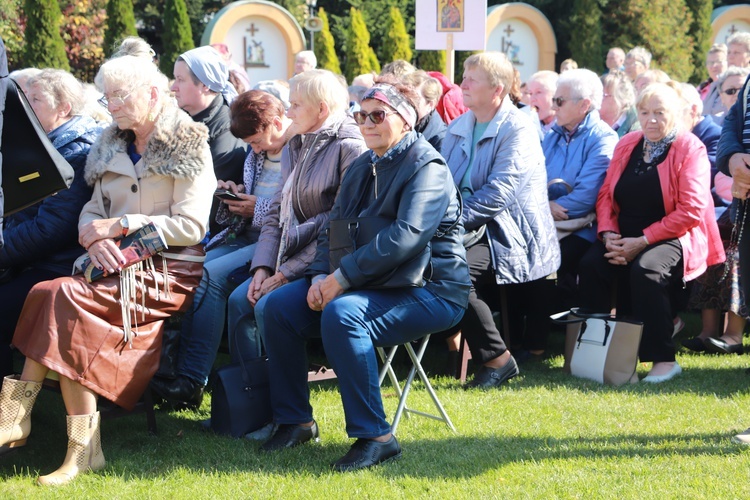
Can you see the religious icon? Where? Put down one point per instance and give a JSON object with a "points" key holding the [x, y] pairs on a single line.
{"points": [[255, 53], [450, 15]]}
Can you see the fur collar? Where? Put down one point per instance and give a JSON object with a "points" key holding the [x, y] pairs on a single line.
{"points": [[177, 147]]}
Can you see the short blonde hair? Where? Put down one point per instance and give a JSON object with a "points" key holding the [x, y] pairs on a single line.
{"points": [[620, 88], [320, 85], [496, 66], [430, 89], [58, 88], [672, 99]]}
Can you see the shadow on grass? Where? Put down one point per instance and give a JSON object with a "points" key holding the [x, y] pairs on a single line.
{"points": [[134, 456]]}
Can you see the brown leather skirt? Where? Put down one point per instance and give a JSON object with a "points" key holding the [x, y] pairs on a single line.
{"points": [[75, 328]]}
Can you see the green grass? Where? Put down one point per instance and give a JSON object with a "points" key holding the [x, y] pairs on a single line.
{"points": [[543, 435]]}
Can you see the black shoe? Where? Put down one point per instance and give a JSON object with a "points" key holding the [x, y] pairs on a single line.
{"points": [[493, 377], [721, 347], [291, 435], [696, 344], [182, 392], [366, 453], [523, 356]]}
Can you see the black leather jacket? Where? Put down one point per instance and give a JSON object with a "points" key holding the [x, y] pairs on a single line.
{"points": [[415, 188]]}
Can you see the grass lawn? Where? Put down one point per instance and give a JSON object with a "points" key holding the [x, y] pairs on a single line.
{"points": [[543, 435]]}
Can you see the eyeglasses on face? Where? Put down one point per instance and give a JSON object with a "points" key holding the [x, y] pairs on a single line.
{"points": [[376, 117], [117, 100], [732, 91], [559, 101]]}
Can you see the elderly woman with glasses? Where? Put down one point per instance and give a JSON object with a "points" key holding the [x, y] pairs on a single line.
{"points": [[716, 64], [404, 184], [103, 338], [41, 241], [577, 152], [656, 226], [618, 103], [730, 84]]}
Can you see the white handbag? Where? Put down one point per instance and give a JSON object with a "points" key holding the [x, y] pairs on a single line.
{"points": [[600, 347]]}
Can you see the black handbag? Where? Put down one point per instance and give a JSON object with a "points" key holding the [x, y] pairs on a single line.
{"points": [[347, 235], [241, 398], [32, 168]]}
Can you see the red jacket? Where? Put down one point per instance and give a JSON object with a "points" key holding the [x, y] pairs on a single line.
{"points": [[451, 105], [685, 185]]}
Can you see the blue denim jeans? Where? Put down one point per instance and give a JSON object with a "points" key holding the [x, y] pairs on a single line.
{"points": [[203, 324], [352, 325]]}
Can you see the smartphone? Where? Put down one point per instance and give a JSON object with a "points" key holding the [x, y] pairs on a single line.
{"points": [[225, 194]]}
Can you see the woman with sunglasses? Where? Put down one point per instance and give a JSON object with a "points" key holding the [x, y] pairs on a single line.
{"points": [[153, 165], [656, 226], [404, 181], [729, 84]]}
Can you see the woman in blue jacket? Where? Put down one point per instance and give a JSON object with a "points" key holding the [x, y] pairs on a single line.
{"points": [[41, 241]]}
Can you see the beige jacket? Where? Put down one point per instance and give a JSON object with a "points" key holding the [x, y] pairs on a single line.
{"points": [[176, 185]]}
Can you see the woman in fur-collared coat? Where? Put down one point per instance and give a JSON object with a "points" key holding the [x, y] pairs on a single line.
{"points": [[152, 166]]}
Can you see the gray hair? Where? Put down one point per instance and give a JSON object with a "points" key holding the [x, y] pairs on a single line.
{"points": [[622, 89], [640, 54], [309, 57], [135, 46], [277, 88], [719, 48], [320, 85], [583, 84], [131, 72], [58, 88], [22, 76], [740, 38], [732, 71], [691, 97], [546, 78]]}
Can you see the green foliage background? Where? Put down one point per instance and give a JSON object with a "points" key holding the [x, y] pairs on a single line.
{"points": [[178, 36], [676, 31], [44, 46], [325, 47], [120, 24]]}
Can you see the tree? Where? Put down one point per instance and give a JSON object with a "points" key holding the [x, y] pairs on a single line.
{"points": [[360, 58], [12, 26], [586, 39], [325, 50], [431, 60], [659, 25], [397, 43], [83, 34], [178, 36], [701, 31], [120, 24], [44, 44]]}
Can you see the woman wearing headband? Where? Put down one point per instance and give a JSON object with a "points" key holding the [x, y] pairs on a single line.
{"points": [[404, 181]]}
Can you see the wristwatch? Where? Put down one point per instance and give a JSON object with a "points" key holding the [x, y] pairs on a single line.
{"points": [[124, 225]]}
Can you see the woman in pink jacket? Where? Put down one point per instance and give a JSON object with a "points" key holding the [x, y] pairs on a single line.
{"points": [[656, 226]]}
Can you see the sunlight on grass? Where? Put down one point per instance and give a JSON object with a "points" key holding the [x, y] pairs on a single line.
{"points": [[543, 435]]}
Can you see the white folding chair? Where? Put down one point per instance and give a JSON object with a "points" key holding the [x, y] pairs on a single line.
{"points": [[403, 392]]}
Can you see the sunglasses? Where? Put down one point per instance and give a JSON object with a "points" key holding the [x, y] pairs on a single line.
{"points": [[559, 101], [732, 91], [376, 117]]}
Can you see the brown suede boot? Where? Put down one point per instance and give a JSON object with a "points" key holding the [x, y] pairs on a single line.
{"points": [[84, 450], [16, 400]]}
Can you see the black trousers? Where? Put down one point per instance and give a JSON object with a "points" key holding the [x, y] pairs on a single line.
{"points": [[643, 292], [12, 296], [478, 326]]}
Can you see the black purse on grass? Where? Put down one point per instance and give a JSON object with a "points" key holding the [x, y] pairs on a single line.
{"points": [[241, 398]]}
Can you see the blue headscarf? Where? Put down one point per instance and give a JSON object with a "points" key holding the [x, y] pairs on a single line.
{"points": [[207, 65]]}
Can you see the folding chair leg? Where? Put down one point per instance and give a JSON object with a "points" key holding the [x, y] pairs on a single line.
{"points": [[403, 393]]}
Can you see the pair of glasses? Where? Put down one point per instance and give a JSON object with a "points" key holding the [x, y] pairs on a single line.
{"points": [[732, 91], [376, 117], [117, 100], [559, 101]]}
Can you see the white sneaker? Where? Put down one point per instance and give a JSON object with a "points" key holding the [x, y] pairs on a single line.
{"points": [[655, 379], [742, 437]]}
